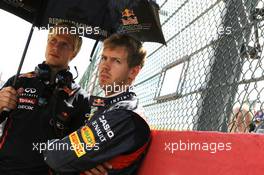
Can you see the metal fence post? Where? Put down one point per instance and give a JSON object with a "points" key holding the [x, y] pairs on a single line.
{"points": [[216, 104]]}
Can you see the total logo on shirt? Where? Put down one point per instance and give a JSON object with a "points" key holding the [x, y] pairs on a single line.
{"points": [[27, 98]]}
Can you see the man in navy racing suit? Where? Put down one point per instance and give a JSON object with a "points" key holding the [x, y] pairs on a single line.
{"points": [[45, 104], [116, 131]]}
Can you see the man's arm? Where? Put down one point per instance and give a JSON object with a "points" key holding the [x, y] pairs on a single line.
{"points": [[109, 135], [84, 110], [8, 99], [99, 169]]}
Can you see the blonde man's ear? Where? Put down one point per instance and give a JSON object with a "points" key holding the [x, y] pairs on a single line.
{"points": [[78, 45]]}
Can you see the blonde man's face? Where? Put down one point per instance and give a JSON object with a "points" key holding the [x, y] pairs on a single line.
{"points": [[59, 50]]}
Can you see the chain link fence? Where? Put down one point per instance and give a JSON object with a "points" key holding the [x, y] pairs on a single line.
{"points": [[210, 76]]}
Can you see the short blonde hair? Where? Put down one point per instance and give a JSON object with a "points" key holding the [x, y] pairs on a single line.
{"points": [[66, 28]]}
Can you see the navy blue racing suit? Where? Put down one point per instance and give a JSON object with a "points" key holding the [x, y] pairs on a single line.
{"points": [[115, 132], [43, 113]]}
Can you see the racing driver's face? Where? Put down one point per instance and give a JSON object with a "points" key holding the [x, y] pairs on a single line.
{"points": [[114, 73]]}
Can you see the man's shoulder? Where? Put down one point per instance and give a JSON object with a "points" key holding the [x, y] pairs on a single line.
{"points": [[130, 105], [79, 91], [130, 108], [130, 111], [28, 75]]}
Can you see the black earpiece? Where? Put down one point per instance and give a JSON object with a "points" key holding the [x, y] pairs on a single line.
{"points": [[43, 72], [63, 78]]}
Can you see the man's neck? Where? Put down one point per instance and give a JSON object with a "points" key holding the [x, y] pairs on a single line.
{"points": [[111, 94], [114, 93]]}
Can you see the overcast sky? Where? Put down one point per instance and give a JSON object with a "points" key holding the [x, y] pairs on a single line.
{"points": [[13, 36]]}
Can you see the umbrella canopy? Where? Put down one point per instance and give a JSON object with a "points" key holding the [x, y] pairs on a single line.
{"points": [[96, 19]]}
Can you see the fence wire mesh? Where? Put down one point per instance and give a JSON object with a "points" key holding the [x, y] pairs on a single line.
{"points": [[210, 76]]}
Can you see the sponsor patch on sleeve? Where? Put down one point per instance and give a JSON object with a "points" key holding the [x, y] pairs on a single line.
{"points": [[88, 136], [76, 144]]}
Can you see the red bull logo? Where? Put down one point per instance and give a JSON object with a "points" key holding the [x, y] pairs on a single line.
{"points": [[98, 102], [129, 17]]}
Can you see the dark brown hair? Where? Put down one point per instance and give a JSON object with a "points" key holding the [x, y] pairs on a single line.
{"points": [[136, 52]]}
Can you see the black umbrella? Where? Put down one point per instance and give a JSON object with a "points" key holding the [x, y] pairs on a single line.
{"points": [[97, 19], [136, 17]]}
